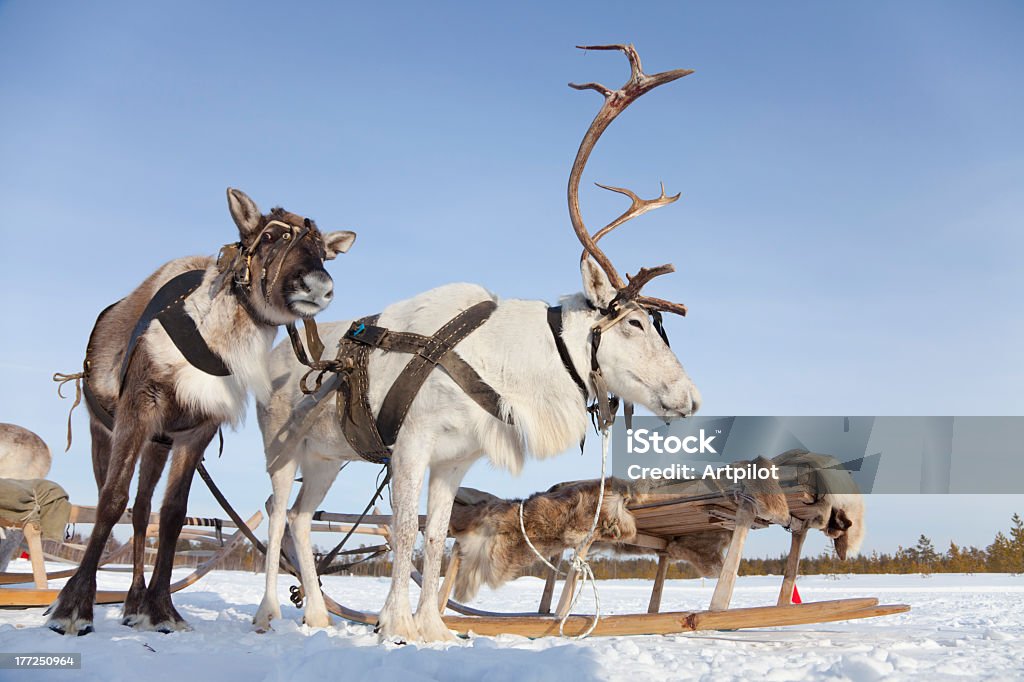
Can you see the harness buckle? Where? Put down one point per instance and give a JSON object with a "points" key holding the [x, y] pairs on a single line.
{"points": [[366, 334]]}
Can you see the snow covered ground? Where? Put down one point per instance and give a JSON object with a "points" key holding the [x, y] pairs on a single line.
{"points": [[961, 627]]}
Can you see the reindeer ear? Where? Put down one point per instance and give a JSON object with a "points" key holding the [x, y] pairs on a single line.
{"points": [[244, 211], [338, 242], [596, 286]]}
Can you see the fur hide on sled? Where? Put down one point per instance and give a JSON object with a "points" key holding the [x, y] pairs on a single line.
{"points": [[493, 550]]}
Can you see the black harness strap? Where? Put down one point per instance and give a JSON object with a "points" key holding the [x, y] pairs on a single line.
{"points": [[555, 325], [167, 306]]}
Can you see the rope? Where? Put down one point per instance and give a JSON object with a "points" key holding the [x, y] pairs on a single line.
{"points": [[62, 379], [579, 562], [325, 562]]}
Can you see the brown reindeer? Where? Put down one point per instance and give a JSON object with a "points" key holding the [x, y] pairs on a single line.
{"points": [[167, 366]]}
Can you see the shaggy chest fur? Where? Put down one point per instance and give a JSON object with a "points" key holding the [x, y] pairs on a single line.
{"points": [[240, 343]]}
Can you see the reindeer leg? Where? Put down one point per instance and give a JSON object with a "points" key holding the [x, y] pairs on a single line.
{"points": [[100, 451], [157, 612], [270, 607], [72, 612], [395, 621], [317, 476], [153, 459], [444, 482]]}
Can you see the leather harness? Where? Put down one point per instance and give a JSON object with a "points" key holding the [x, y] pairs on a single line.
{"points": [[373, 438], [167, 307]]}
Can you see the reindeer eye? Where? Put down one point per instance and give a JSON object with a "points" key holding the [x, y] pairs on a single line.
{"points": [[637, 324], [268, 237]]}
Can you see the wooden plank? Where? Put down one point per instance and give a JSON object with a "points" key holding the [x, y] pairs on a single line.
{"points": [[33, 538], [772, 616], [648, 541], [549, 584], [731, 517], [344, 528], [727, 577], [796, 544], [449, 578], [25, 597], [659, 584], [82, 514], [372, 519], [565, 600], [677, 622]]}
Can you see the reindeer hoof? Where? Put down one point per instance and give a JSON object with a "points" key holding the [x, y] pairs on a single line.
{"points": [[68, 619], [159, 614], [400, 630], [169, 626], [268, 612], [317, 621], [65, 627], [433, 629]]}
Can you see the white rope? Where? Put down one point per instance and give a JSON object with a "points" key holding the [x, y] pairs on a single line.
{"points": [[579, 562]]}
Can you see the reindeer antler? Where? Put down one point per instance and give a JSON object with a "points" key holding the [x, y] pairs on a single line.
{"points": [[615, 102]]}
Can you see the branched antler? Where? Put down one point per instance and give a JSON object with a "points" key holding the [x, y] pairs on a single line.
{"points": [[615, 102], [638, 208], [637, 282]]}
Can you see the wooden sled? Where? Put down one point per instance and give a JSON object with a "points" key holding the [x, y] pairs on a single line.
{"points": [[657, 523], [43, 595]]}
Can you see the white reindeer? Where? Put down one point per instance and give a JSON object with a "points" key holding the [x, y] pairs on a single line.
{"points": [[541, 407], [23, 456]]}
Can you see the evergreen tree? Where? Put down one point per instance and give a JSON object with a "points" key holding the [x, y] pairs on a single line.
{"points": [[1017, 545], [926, 555], [1000, 554]]}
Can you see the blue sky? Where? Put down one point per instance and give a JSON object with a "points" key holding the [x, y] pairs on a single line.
{"points": [[848, 239]]}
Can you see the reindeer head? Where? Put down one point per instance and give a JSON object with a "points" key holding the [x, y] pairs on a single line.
{"points": [[277, 266], [629, 347]]}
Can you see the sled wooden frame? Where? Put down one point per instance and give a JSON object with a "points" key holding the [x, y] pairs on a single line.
{"points": [[42, 595], [657, 521]]}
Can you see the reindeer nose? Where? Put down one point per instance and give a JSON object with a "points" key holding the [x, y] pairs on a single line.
{"points": [[320, 287]]}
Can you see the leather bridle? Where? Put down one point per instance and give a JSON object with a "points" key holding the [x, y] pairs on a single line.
{"points": [[235, 260], [603, 409]]}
